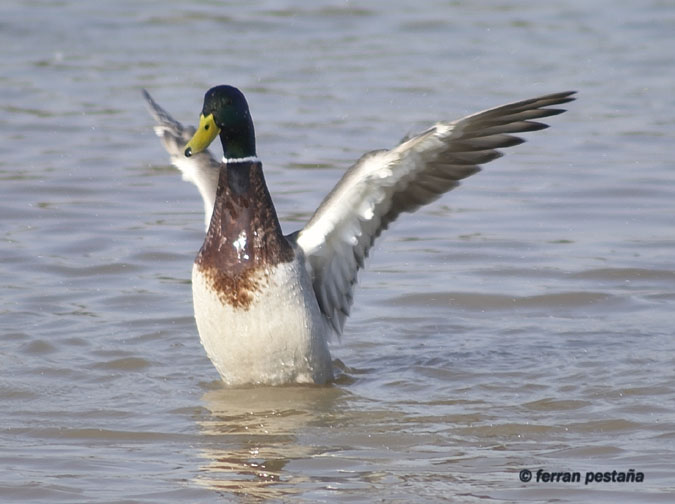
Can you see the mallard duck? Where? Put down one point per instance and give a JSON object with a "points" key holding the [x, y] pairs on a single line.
{"points": [[266, 303]]}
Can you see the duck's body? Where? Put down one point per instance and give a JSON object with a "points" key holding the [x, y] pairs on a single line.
{"points": [[266, 304], [256, 313], [280, 337]]}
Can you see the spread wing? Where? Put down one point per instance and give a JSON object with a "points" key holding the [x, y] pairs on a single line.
{"points": [[382, 184], [201, 169]]}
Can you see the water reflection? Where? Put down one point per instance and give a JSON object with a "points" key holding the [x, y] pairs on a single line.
{"points": [[254, 433]]}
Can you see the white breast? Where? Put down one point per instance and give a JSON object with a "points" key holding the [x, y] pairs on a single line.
{"points": [[280, 337]]}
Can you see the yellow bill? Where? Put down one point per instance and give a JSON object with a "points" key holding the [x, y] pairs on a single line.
{"points": [[205, 134]]}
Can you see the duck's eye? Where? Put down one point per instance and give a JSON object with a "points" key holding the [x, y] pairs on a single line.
{"points": [[207, 126]]}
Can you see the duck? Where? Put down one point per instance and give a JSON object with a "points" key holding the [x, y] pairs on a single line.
{"points": [[266, 303]]}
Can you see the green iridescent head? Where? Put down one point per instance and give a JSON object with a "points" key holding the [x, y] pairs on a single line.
{"points": [[225, 113]]}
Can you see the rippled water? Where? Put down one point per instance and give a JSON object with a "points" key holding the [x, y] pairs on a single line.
{"points": [[524, 321]]}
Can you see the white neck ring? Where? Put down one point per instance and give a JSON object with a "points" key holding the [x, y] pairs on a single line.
{"points": [[247, 159]]}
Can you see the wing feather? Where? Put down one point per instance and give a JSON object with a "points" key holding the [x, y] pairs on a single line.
{"points": [[201, 169], [383, 184]]}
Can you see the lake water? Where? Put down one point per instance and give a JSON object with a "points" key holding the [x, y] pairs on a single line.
{"points": [[524, 321]]}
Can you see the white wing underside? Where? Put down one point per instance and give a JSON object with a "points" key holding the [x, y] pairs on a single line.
{"points": [[201, 169], [382, 184]]}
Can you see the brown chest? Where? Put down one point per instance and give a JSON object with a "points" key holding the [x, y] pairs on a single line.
{"points": [[244, 239]]}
